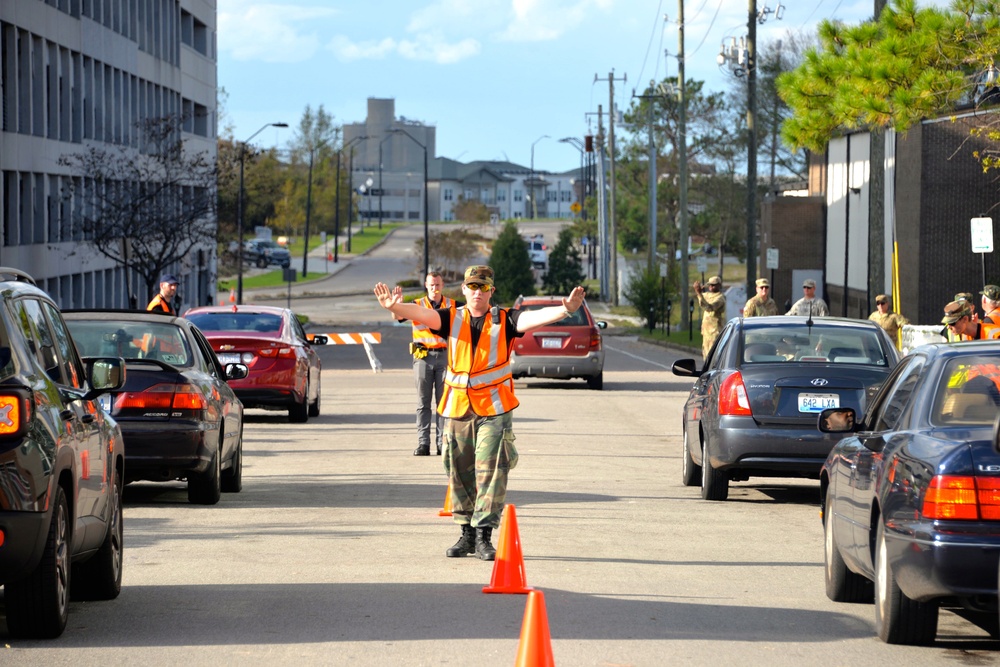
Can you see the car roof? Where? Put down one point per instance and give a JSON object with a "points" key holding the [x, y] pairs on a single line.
{"points": [[959, 349], [251, 309], [122, 315], [778, 321]]}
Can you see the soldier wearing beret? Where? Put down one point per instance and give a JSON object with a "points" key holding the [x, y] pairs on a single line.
{"points": [[809, 305], [713, 308], [761, 304]]}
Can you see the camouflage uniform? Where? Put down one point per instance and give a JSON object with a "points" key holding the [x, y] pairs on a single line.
{"points": [[801, 308], [477, 462], [713, 306], [891, 322], [757, 307]]}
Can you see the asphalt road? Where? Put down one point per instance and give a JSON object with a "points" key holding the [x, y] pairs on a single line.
{"points": [[333, 554]]}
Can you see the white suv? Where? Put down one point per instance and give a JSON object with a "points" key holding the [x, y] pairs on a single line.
{"points": [[537, 252]]}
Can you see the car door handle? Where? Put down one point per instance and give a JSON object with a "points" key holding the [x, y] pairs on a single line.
{"points": [[87, 419], [66, 415]]}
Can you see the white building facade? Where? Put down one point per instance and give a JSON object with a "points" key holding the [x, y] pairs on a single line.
{"points": [[84, 73]]}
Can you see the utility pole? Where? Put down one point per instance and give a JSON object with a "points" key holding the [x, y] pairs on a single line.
{"points": [[602, 207], [611, 206], [751, 68], [876, 207], [682, 168]]}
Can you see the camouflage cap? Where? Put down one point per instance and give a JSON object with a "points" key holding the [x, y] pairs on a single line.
{"points": [[881, 298], [810, 283], [479, 274], [991, 292], [714, 280], [964, 296], [763, 282], [955, 311]]}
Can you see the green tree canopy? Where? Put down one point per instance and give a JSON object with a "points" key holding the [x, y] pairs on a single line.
{"points": [[511, 265], [565, 270]]}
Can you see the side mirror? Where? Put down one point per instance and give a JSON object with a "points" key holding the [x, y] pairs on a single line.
{"points": [[837, 420], [236, 371], [685, 368], [104, 374], [601, 324], [318, 339]]}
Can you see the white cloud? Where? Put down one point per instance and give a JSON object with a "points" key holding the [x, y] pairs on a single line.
{"points": [[429, 48], [347, 50], [546, 20], [268, 32]]}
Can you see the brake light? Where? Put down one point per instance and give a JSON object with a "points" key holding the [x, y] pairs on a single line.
{"points": [[733, 399], [15, 410], [595, 339], [279, 352], [962, 497], [163, 397]]}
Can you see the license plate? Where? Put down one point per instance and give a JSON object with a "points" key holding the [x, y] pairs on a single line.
{"points": [[104, 400], [228, 357], [818, 402], [552, 343]]}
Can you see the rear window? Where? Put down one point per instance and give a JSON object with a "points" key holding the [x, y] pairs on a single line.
{"points": [[817, 344], [577, 319], [131, 340], [259, 322], [969, 391]]}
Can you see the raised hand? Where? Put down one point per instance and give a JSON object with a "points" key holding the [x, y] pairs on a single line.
{"points": [[575, 299]]}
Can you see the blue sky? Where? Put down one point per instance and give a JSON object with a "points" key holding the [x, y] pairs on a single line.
{"points": [[492, 75]]}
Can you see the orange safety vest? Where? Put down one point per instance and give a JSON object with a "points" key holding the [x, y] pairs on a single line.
{"points": [[160, 303], [422, 334], [989, 331], [478, 379]]}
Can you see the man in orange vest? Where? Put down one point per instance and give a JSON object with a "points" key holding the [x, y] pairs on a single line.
{"points": [[164, 300], [429, 364], [959, 317], [478, 397]]}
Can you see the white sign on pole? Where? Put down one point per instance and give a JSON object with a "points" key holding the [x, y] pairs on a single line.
{"points": [[494, 218], [982, 234], [772, 258], [701, 262]]}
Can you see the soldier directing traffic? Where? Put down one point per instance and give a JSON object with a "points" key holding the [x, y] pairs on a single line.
{"points": [[478, 397], [713, 307]]}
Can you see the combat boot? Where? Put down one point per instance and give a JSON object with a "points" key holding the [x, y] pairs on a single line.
{"points": [[484, 550], [466, 543]]}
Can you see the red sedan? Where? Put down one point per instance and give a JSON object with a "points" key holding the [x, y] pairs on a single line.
{"points": [[284, 369]]}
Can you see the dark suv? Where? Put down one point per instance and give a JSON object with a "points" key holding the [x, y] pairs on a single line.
{"points": [[264, 252], [61, 466]]}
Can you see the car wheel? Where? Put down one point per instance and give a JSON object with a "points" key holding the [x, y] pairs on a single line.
{"points": [[690, 471], [38, 605], [100, 577], [842, 585], [298, 412], [596, 381], [261, 262], [206, 488], [232, 478], [714, 482], [898, 619], [314, 406]]}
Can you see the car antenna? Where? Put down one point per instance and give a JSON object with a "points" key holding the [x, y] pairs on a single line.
{"points": [[809, 321]]}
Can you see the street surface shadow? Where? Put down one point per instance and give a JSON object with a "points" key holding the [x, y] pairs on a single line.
{"points": [[579, 385], [215, 614], [775, 494]]}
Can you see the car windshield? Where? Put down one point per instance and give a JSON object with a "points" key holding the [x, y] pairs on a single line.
{"points": [[819, 344], [969, 391], [228, 321], [131, 340], [268, 244], [577, 319]]}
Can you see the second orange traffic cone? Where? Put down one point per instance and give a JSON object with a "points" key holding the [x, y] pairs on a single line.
{"points": [[232, 295], [508, 567], [535, 647], [446, 510]]}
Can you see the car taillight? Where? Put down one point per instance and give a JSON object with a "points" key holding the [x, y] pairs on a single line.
{"points": [[279, 352], [15, 412], [733, 399], [162, 397], [962, 497], [595, 339]]}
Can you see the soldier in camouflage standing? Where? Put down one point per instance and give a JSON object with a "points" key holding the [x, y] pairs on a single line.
{"points": [[478, 397], [713, 307], [761, 304], [809, 305], [885, 318]]}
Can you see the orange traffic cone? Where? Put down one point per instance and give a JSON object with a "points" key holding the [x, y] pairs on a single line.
{"points": [[535, 648], [329, 256], [446, 510], [508, 567], [232, 295]]}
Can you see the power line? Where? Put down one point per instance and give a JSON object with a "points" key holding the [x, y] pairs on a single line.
{"points": [[650, 45], [815, 9], [702, 42]]}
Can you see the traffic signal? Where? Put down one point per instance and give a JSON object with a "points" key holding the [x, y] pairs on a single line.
{"points": [[588, 142]]}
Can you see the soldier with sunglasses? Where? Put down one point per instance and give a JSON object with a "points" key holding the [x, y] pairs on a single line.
{"points": [[478, 397]]}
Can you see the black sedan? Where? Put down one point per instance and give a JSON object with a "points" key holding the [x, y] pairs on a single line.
{"points": [[752, 411], [178, 415], [911, 499]]}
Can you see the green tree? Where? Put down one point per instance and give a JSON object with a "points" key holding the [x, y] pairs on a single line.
{"points": [[565, 269], [312, 159], [644, 290], [451, 251], [471, 211], [511, 265]]}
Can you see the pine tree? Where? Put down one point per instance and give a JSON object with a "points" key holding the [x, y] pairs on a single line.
{"points": [[511, 265], [565, 269]]}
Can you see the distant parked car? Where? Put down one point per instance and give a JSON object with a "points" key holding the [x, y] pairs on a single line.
{"points": [[62, 462], [284, 369], [911, 495], [537, 250], [569, 348], [753, 409], [178, 415], [264, 252]]}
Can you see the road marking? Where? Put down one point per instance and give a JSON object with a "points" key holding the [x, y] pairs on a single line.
{"points": [[635, 356]]}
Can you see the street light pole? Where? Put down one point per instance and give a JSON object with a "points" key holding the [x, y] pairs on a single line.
{"points": [[367, 188], [336, 215], [427, 248], [239, 212], [380, 179], [531, 178]]}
